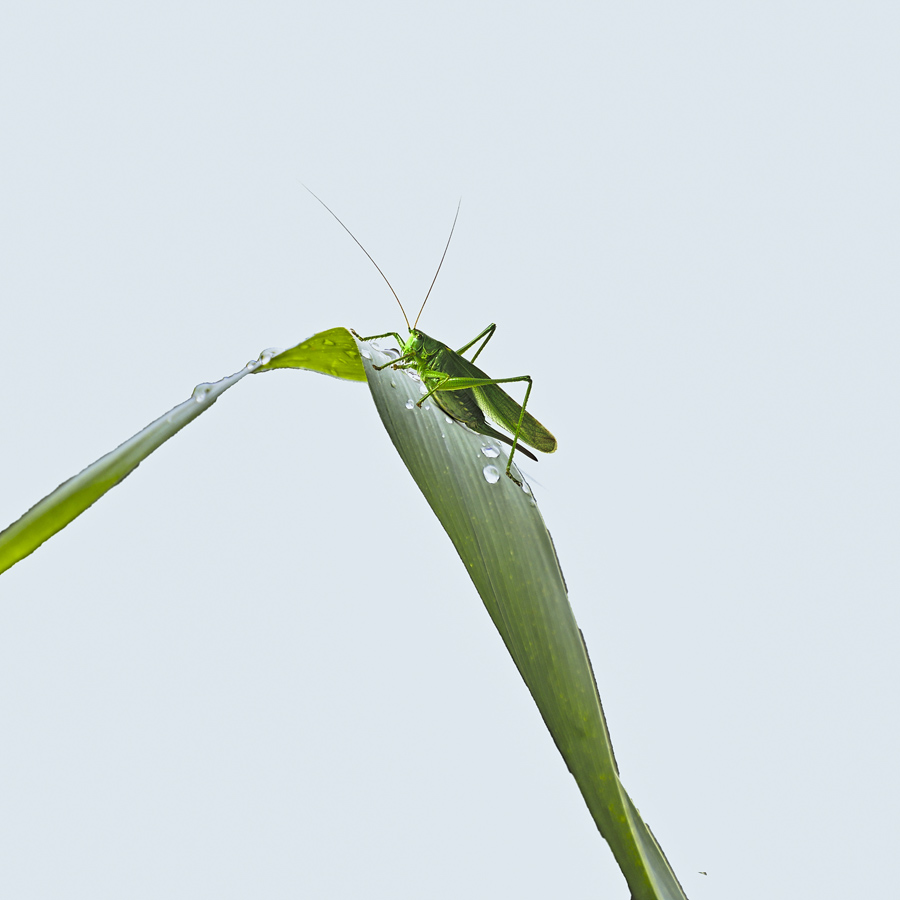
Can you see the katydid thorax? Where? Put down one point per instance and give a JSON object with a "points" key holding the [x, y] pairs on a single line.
{"points": [[462, 390]]}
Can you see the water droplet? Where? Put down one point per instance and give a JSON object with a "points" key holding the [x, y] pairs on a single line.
{"points": [[328, 343], [392, 353], [423, 389], [443, 435], [365, 354], [491, 474], [426, 406], [269, 352], [525, 486], [201, 392], [410, 404], [393, 383], [448, 418], [490, 452]]}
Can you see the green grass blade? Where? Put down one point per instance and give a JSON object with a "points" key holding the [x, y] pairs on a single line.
{"points": [[506, 548], [331, 352], [74, 496]]}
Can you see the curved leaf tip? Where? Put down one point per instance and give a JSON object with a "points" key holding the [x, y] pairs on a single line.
{"points": [[333, 352]]}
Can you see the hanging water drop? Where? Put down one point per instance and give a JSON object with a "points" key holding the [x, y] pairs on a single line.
{"points": [[267, 354], [201, 392]]}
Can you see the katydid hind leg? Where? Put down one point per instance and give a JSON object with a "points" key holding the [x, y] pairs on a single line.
{"points": [[515, 442], [487, 334], [471, 415], [490, 399]]}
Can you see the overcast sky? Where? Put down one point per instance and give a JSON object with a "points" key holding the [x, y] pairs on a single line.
{"points": [[257, 668]]}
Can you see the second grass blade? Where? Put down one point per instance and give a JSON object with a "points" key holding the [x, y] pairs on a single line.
{"points": [[502, 540]]}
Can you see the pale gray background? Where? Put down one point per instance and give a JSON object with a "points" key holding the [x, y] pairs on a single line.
{"points": [[257, 668]]}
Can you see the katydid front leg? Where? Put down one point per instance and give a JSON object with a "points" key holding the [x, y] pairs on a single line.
{"points": [[400, 344]]}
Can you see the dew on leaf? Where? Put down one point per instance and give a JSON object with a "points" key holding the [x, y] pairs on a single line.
{"points": [[491, 474], [201, 392]]}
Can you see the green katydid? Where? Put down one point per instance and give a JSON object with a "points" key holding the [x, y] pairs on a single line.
{"points": [[462, 390]]}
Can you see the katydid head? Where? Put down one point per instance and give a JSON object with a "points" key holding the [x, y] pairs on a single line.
{"points": [[413, 345], [420, 346], [416, 343]]}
